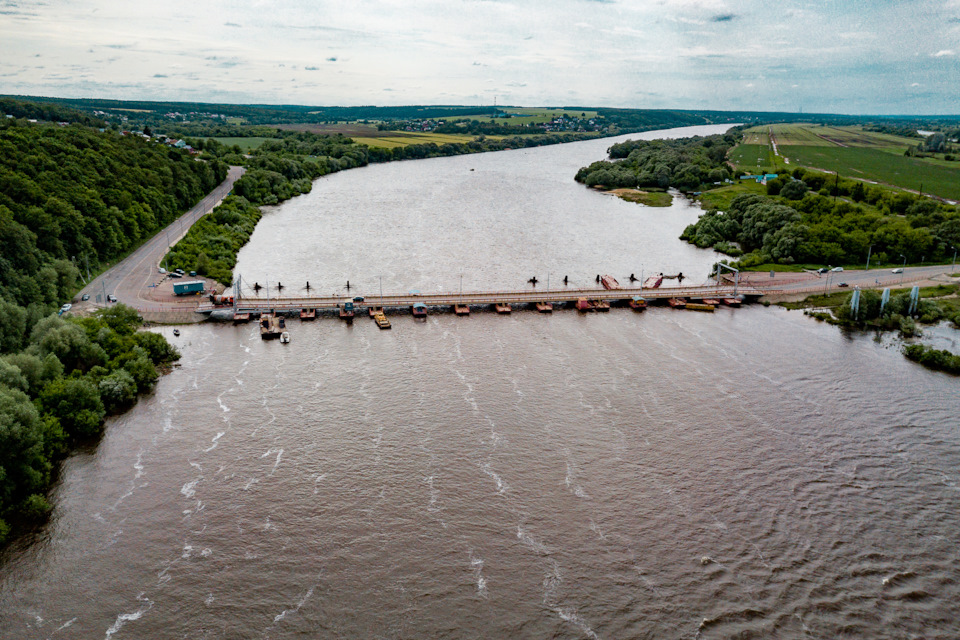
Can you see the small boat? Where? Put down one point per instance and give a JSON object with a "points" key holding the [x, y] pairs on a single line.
{"points": [[381, 320], [308, 314], [732, 302], [677, 303], [638, 303], [584, 305], [241, 317], [711, 301], [609, 282], [544, 307], [461, 309], [346, 310], [373, 311], [502, 307], [601, 305], [653, 282], [419, 310], [285, 337], [176, 332], [698, 306]]}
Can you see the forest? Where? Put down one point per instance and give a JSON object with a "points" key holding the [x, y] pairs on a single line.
{"points": [[56, 390], [72, 201], [685, 164], [810, 218]]}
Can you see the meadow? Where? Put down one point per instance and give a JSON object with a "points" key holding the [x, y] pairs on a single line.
{"points": [[406, 138], [851, 151]]}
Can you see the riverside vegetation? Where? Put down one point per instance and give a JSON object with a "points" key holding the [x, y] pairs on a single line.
{"points": [[72, 197]]}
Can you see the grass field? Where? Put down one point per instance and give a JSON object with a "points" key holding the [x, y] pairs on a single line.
{"points": [[851, 151], [751, 158], [246, 144], [406, 138]]}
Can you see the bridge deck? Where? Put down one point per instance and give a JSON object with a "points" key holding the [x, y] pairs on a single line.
{"points": [[490, 297]]}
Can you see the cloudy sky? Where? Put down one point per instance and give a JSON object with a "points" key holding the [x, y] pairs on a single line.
{"points": [[850, 56]]}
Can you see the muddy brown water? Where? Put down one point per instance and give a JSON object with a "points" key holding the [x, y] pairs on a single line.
{"points": [[670, 474]]}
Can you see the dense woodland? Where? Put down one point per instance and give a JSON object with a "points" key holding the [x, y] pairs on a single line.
{"points": [[686, 163], [810, 218], [73, 199], [56, 390]]}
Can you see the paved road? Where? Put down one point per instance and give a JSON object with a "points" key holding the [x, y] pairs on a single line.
{"points": [[873, 279], [130, 279]]}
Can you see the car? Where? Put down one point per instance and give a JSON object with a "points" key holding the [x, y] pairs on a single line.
{"points": [[897, 270], [822, 270], [837, 269], [180, 271], [66, 308], [193, 274], [842, 284], [358, 299], [162, 270], [174, 274], [85, 297], [111, 298]]}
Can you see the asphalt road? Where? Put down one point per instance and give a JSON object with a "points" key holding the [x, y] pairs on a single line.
{"points": [[830, 281], [130, 279]]}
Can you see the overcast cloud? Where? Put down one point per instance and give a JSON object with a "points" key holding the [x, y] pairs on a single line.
{"points": [[819, 56]]}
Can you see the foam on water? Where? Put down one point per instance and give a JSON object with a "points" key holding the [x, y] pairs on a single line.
{"points": [[124, 618]]}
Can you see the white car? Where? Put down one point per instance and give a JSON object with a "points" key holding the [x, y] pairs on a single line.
{"points": [[897, 270], [837, 269], [111, 298], [66, 308]]}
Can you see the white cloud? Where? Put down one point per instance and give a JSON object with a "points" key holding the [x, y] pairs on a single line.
{"points": [[943, 53]]}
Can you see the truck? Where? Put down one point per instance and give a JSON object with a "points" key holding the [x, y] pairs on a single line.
{"points": [[188, 287]]}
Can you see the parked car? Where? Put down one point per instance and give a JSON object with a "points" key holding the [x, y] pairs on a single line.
{"points": [[66, 308], [837, 269], [162, 270], [842, 284], [358, 299], [822, 270], [85, 297], [193, 274], [174, 274], [897, 270], [111, 298]]}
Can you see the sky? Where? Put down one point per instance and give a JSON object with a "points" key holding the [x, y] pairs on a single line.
{"points": [[853, 56]]}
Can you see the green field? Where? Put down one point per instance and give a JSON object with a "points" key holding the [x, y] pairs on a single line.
{"points": [[405, 138], [751, 158], [246, 144], [851, 151], [879, 165]]}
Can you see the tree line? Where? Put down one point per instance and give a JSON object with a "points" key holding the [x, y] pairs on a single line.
{"points": [[55, 392], [810, 218], [685, 163]]}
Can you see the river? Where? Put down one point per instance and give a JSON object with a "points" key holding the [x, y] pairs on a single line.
{"points": [[746, 473]]}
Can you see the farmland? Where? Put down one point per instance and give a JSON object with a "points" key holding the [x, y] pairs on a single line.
{"points": [[405, 138], [851, 151]]}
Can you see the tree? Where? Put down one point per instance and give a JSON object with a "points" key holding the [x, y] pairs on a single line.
{"points": [[76, 403], [794, 190]]}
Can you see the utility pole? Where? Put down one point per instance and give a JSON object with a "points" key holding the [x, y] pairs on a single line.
{"points": [[868, 258]]}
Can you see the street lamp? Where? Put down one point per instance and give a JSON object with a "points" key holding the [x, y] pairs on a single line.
{"points": [[903, 267], [954, 258], [868, 258]]}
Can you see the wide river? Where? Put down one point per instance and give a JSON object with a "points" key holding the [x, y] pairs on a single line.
{"points": [[748, 473]]}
